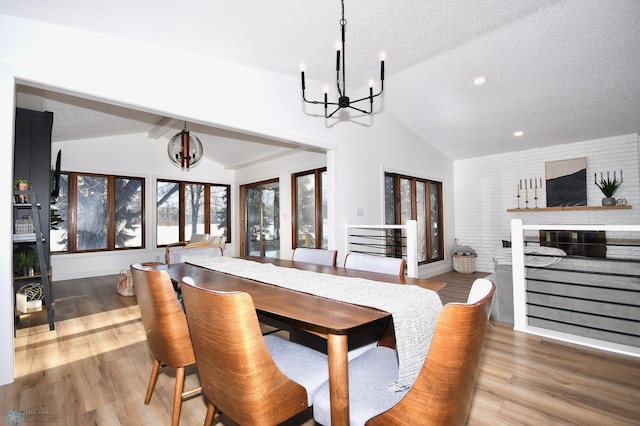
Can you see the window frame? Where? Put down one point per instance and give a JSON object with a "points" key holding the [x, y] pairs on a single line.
{"points": [[244, 220], [397, 219], [319, 228], [182, 208], [72, 213]]}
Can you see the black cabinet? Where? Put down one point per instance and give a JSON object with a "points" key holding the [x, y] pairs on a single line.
{"points": [[32, 159]]}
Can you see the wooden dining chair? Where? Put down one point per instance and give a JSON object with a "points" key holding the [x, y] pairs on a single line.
{"points": [[443, 390], [378, 264], [316, 256], [251, 378], [165, 326]]}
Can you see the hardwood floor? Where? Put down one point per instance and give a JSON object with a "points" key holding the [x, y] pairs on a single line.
{"points": [[94, 368]]}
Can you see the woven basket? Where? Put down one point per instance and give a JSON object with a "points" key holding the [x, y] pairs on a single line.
{"points": [[464, 264]]}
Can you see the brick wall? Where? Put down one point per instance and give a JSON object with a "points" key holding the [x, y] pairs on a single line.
{"points": [[485, 187]]}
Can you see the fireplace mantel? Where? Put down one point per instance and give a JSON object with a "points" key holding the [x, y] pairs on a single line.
{"points": [[566, 208]]}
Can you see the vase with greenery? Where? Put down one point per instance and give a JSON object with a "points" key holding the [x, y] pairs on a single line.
{"points": [[608, 188], [25, 262]]}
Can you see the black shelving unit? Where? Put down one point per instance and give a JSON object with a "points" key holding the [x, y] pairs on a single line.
{"points": [[32, 209]]}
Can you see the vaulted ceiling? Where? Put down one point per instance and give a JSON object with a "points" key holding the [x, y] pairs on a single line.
{"points": [[557, 70]]}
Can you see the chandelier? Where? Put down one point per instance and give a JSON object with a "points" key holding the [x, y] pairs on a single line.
{"points": [[184, 149], [343, 99]]}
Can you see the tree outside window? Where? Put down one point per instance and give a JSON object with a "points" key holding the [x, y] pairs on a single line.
{"points": [[187, 208], [97, 213], [260, 230], [309, 207]]}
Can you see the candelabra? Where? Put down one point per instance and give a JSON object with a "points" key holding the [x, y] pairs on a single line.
{"points": [[529, 184]]}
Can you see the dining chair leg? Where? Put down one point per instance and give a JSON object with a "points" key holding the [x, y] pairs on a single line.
{"points": [[177, 396], [155, 370], [211, 412]]}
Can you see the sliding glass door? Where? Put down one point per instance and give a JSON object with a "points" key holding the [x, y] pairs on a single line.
{"points": [[261, 219]]}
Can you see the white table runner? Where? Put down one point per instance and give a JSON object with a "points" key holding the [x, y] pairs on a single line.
{"points": [[415, 310]]}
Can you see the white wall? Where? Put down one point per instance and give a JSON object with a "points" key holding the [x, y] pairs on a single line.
{"points": [[485, 187], [360, 164], [7, 118]]}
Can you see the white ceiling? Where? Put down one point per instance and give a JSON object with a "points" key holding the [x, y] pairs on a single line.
{"points": [[561, 71]]}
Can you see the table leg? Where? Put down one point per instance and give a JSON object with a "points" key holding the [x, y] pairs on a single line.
{"points": [[338, 379]]}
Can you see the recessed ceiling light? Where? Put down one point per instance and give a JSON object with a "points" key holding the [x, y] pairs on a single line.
{"points": [[479, 80], [518, 133]]}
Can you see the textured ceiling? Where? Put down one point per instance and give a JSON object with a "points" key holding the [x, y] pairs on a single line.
{"points": [[561, 71]]}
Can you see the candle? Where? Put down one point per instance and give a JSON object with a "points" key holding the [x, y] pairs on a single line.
{"points": [[526, 191], [518, 189]]}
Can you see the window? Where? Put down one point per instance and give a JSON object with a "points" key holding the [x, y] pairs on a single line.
{"points": [[309, 209], [260, 229], [97, 213], [410, 198], [187, 208]]}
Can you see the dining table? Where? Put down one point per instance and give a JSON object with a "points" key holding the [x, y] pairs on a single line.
{"points": [[331, 319]]}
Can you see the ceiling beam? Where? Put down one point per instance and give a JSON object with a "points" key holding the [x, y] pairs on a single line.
{"points": [[165, 126], [278, 153]]}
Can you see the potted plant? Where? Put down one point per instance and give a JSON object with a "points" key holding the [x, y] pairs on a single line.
{"points": [[25, 262], [608, 188], [22, 184]]}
